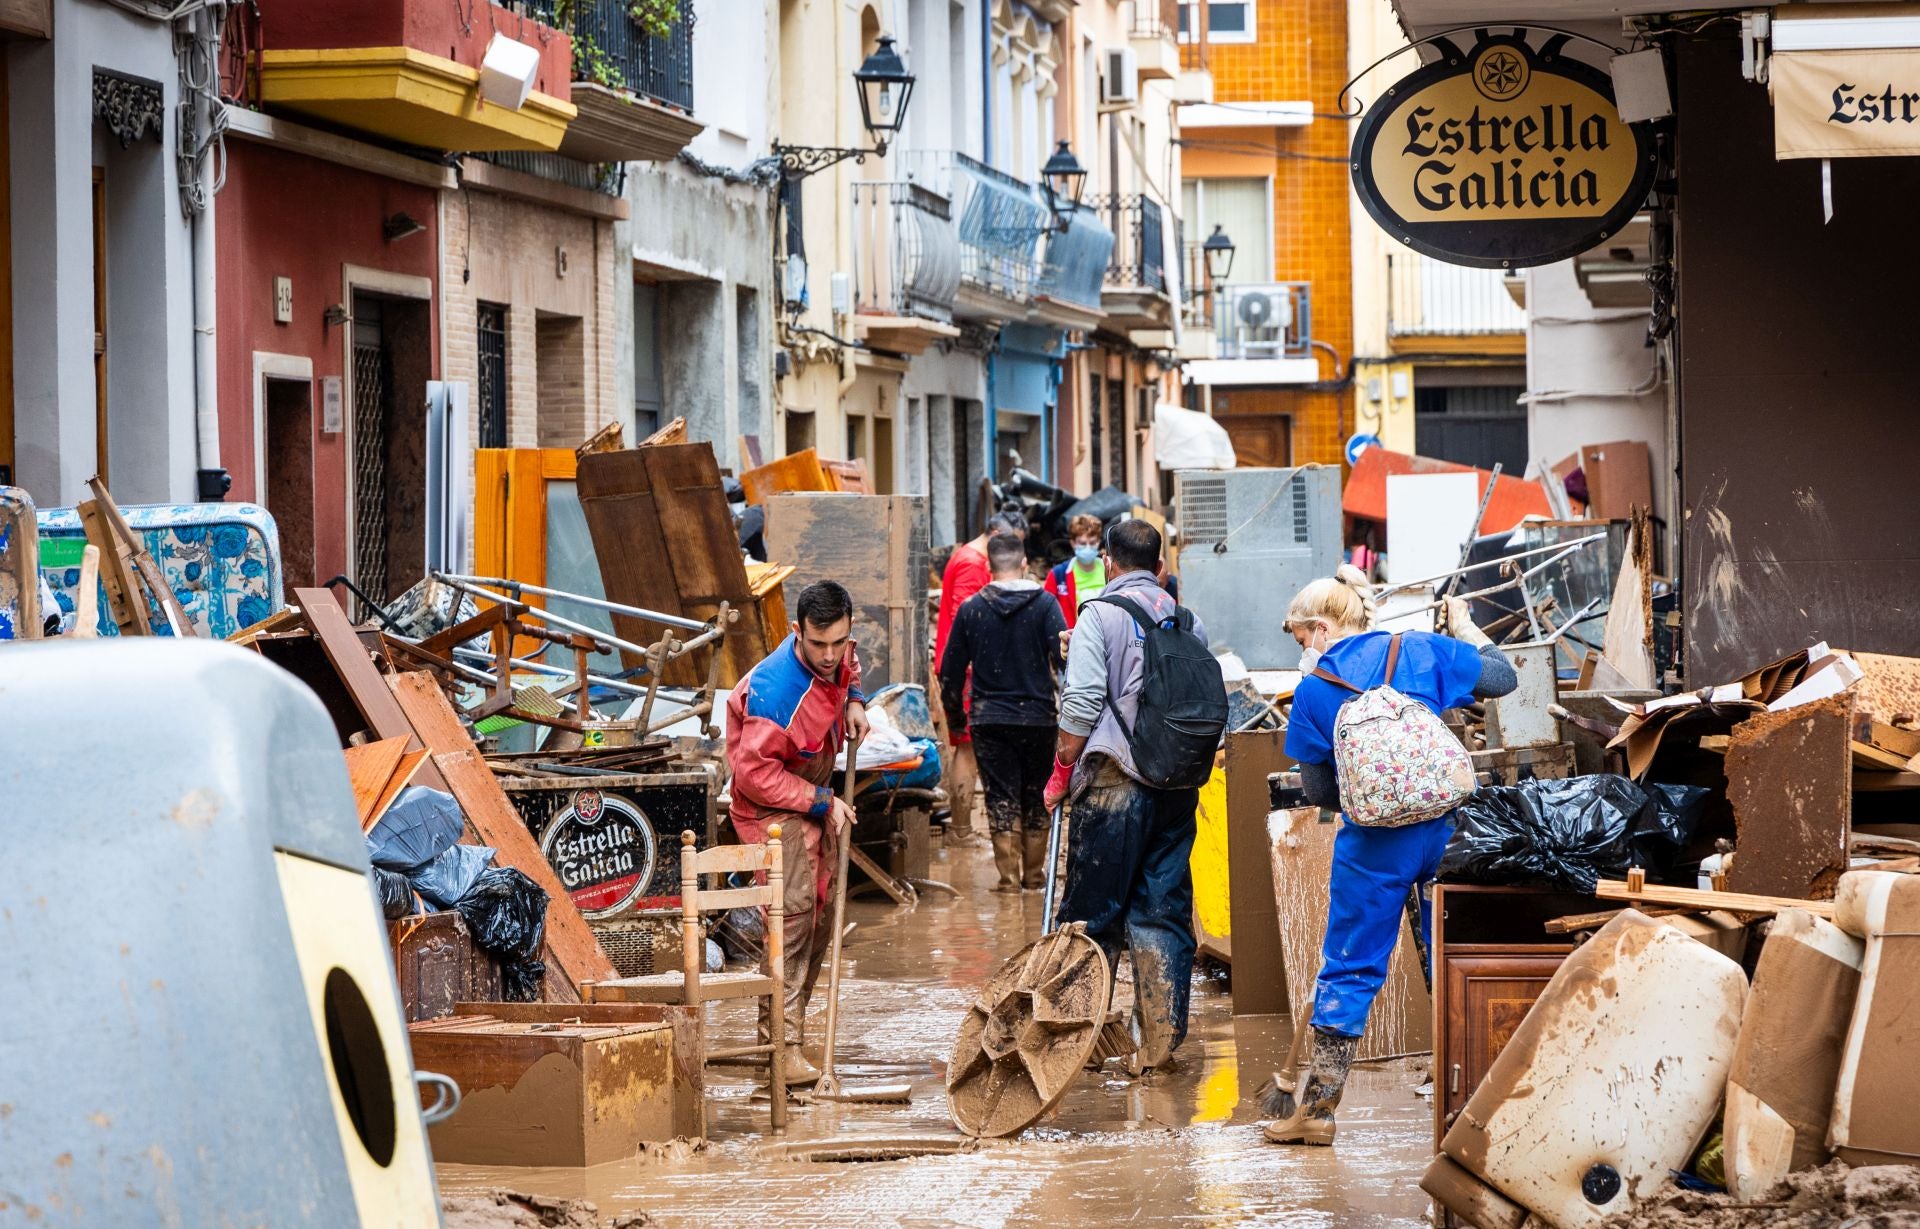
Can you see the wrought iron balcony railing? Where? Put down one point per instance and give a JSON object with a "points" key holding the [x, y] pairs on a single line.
{"points": [[1139, 240], [612, 48], [1000, 220], [906, 252]]}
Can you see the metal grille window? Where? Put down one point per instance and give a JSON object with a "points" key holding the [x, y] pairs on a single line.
{"points": [[372, 377], [493, 376]]}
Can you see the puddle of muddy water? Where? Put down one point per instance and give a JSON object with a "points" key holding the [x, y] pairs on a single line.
{"points": [[1179, 1148]]}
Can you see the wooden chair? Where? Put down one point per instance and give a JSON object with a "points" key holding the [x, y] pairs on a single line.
{"points": [[690, 986]]}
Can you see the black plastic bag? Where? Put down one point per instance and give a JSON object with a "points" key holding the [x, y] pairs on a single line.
{"points": [[1103, 505], [506, 913], [1569, 834], [396, 894], [450, 876], [421, 824]]}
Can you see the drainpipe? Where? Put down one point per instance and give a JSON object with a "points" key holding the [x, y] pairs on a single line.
{"points": [[213, 480], [986, 81]]}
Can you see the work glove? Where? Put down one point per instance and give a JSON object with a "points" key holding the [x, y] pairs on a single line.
{"points": [[1058, 783], [1460, 624]]}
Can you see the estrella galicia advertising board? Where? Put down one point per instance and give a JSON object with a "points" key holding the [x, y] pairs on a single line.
{"points": [[1501, 157]]}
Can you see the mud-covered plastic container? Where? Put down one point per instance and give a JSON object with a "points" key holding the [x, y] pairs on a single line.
{"points": [[1874, 1122], [1610, 1081]]}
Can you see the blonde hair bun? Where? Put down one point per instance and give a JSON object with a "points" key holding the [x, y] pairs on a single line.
{"points": [[1343, 600]]}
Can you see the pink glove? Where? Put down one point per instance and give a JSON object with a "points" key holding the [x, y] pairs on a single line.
{"points": [[1058, 783]]}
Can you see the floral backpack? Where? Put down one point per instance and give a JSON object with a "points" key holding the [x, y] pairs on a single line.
{"points": [[1397, 762]]}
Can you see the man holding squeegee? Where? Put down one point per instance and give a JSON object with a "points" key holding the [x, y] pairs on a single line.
{"points": [[784, 727]]}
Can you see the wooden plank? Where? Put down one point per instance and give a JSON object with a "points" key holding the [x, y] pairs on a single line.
{"points": [[1302, 858], [1259, 974], [125, 605], [674, 432], [607, 439], [1627, 643], [1889, 690], [848, 477], [363, 682], [689, 497], [490, 469], [410, 764], [797, 471], [875, 545], [1700, 898], [574, 955], [369, 768], [86, 613], [143, 565], [1619, 478]]}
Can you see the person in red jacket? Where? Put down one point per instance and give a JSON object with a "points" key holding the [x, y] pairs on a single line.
{"points": [[967, 573], [1080, 579], [786, 721]]}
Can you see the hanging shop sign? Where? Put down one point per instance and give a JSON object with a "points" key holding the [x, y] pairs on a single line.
{"points": [[1501, 157], [603, 850], [1846, 104]]}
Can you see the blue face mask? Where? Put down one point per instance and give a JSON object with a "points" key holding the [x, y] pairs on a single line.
{"points": [[1086, 556]]}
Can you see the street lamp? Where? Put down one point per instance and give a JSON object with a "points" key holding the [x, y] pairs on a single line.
{"points": [[1065, 180], [1217, 253], [884, 87]]}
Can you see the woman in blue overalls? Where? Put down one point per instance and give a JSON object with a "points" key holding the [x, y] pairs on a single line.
{"points": [[1373, 868]]}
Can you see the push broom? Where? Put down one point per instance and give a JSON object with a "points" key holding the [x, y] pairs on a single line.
{"points": [[829, 1088]]}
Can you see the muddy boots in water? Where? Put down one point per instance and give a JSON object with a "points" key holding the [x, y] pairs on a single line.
{"points": [[1006, 860], [1034, 848], [1325, 1079]]}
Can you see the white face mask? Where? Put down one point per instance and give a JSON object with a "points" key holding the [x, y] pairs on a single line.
{"points": [[1309, 658]]}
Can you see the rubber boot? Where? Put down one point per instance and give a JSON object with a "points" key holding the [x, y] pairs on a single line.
{"points": [[1312, 1119], [1006, 860], [799, 1070], [1033, 847]]}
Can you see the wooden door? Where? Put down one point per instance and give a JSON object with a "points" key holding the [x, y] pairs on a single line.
{"points": [[1265, 440], [1486, 998]]}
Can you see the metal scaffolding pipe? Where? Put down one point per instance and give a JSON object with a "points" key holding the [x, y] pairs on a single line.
{"points": [[515, 586], [1474, 567]]}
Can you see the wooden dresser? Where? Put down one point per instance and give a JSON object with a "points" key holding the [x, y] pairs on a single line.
{"points": [[1492, 958]]}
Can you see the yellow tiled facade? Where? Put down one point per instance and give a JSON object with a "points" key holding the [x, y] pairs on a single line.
{"points": [[1300, 55]]}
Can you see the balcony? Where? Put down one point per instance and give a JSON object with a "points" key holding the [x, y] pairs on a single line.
{"points": [[1265, 336], [1069, 292], [1134, 294], [999, 221], [634, 88], [409, 71], [1437, 308], [906, 266], [1153, 34]]}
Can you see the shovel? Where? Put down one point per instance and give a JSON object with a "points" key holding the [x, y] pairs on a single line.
{"points": [[829, 1088]]}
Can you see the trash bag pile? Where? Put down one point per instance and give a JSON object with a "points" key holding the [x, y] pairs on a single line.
{"points": [[420, 864], [1570, 834]]}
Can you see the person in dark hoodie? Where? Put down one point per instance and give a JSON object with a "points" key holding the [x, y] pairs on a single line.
{"points": [[1009, 634]]}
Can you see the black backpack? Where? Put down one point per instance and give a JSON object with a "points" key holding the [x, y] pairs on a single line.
{"points": [[1183, 701]]}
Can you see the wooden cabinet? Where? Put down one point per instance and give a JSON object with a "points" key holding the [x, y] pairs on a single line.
{"points": [[1492, 959]]}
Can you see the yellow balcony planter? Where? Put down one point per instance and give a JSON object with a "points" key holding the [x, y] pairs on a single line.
{"points": [[410, 96]]}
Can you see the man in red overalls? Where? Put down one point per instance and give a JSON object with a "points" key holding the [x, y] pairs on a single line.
{"points": [[784, 728]]}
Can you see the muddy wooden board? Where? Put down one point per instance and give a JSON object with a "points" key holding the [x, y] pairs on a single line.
{"points": [[358, 675], [875, 545], [1302, 858], [572, 955], [1259, 974], [797, 471], [1790, 780], [665, 541]]}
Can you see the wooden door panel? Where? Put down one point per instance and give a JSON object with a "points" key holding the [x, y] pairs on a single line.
{"points": [[1487, 998]]}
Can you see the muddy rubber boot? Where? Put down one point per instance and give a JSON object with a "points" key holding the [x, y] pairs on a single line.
{"points": [[799, 1070], [1312, 1119], [1006, 860], [1033, 846]]}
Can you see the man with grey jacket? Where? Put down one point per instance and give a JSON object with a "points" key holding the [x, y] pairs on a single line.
{"points": [[1128, 843]]}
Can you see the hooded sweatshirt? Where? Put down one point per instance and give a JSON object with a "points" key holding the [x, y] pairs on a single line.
{"points": [[1107, 665], [1009, 633]]}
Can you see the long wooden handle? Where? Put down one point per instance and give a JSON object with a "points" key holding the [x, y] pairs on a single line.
{"points": [[845, 842]]}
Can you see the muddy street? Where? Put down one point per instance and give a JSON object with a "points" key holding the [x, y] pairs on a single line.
{"points": [[1178, 1148]]}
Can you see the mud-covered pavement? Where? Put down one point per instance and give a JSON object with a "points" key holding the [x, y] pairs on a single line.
{"points": [[1179, 1148]]}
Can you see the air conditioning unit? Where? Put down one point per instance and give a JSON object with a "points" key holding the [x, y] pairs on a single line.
{"points": [[1121, 80], [1249, 539], [1262, 320]]}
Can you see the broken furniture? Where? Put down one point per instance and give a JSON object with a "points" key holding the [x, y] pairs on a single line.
{"points": [[803, 471], [20, 617], [1874, 1121], [1029, 1034], [1492, 957], [1787, 1060], [690, 986], [556, 1091], [665, 541], [438, 965], [1608, 1083], [875, 545]]}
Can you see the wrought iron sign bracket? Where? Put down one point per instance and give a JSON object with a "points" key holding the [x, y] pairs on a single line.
{"points": [[800, 161]]}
